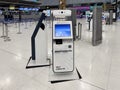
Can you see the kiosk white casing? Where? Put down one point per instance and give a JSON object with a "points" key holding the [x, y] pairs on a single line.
{"points": [[63, 47]]}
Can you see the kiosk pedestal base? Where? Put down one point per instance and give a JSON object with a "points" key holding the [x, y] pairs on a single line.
{"points": [[64, 77], [37, 63]]}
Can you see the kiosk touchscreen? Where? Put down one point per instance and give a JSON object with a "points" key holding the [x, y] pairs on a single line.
{"points": [[62, 30], [63, 60]]}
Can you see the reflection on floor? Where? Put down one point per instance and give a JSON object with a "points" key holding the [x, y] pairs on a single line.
{"points": [[99, 65]]}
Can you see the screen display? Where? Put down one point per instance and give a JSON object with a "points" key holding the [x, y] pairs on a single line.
{"points": [[26, 9], [36, 9], [29, 9], [62, 30], [21, 8]]}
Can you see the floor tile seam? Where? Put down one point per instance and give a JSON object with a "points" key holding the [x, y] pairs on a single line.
{"points": [[40, 81], [37, 81], [23, 72], [92, 85], [111, 60], [12, 53], [109, 71], [2, 87], [30, 77], [44, 84], [14, 69]]}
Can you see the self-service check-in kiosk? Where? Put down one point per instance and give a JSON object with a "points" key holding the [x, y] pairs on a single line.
{"points": [[63, 49], [63, 62]]}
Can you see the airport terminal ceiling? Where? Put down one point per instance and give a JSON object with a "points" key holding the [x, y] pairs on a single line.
{"points": [[56, 2], [20, 2]]}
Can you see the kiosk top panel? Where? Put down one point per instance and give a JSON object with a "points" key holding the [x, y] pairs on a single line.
{"points": [[61, 13]]}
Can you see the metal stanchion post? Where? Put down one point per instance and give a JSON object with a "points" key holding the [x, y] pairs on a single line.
{"points": [[89, 20], [30, 22], [3, 31], [80, 31], [22, 22], [19, 32], [0, 24], [26, 25], [36, 21], [89, 25], [6, 29], [15, 24]]}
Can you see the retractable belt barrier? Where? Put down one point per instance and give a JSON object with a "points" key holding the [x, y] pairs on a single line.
{"points": [[5, 34]]}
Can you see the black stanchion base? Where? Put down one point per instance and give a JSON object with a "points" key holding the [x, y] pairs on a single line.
{"points": [[7, 39], [2, 36], [19, 32]]}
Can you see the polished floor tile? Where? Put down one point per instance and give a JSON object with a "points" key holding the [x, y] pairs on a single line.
{"points": [[99, 65]]}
